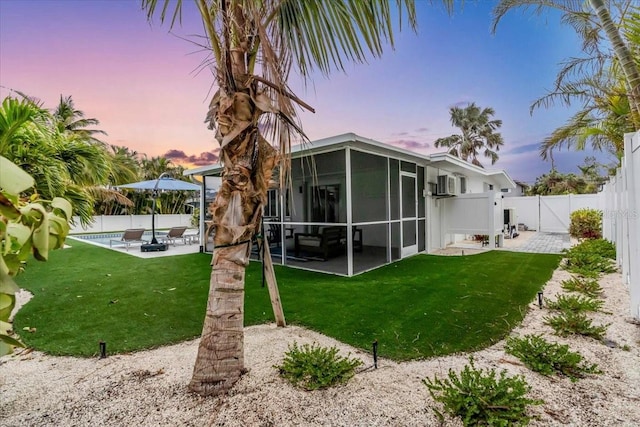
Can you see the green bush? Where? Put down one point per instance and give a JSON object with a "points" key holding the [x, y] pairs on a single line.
{"points": [[570, 323], [313, 367], [589, 287], [602, 247], [574, 303], [586, 224], [549, 358], [480, 398], [195, 218], [590, 258]]}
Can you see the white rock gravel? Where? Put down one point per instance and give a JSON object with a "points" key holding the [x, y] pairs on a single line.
{"points": [[148, 388]]}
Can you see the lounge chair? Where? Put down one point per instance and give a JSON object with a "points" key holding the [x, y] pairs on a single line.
{"points": [[193, 236], [174, 234], [132, 235]]}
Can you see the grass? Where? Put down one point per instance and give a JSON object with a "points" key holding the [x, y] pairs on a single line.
{"points": [[416, 308]]}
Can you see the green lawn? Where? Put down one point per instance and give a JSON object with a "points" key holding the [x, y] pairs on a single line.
{"points": [[420, 307]]}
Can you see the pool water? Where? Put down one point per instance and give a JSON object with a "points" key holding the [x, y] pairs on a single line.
{"points": [[103, 239]]}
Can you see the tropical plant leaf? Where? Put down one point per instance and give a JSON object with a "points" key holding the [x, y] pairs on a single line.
{"points": [[13, 179]]}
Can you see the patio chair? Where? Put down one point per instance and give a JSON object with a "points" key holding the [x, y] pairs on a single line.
{"points": [[193, 236], [174, 234], [274, 234], [131, 235]]}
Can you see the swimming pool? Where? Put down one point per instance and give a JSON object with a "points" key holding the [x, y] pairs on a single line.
{"points": [[103, 239]]}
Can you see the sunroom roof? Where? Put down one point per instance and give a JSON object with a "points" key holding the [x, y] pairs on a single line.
{"points": [[353, 140]]}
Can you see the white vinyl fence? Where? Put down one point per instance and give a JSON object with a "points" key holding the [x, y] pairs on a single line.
{"points": [[550, 214], [109, 223], [621, 219], [474, 213]]}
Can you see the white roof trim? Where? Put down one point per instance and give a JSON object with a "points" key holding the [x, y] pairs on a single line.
{"points": [[346, 139], [449, 158]]}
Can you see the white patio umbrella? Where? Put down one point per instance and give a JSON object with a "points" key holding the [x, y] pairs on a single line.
{"points": [[163, 182]]}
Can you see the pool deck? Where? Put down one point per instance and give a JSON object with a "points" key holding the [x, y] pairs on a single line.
{"points": [[134, 249]]}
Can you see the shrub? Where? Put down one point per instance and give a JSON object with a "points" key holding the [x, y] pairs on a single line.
{"points": [[195, 218], [481, 398], [586, 224], [589, 287], [591, 257], [549, 358], [602, 247], [575, 303], [570, 323], [314, 367]]}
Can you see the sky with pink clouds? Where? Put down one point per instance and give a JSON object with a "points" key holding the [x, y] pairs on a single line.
{"points": [[147, 88]]}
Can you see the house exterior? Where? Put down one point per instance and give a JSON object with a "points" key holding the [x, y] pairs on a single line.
{"points": [[355, 204], [519, 191]]}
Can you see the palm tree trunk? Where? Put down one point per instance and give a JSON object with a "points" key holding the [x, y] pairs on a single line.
{"points": [[248, 163], [624, 56], [220, 360]]}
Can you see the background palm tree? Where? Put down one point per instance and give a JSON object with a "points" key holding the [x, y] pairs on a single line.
{"points": [[556, 183], [253, 46], [478, 134], [124, 168], [68, 119], [606, 81], [63, 162]]}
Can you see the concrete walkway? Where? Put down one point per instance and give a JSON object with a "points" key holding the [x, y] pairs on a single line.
{"points": [[545, 243], [528, 241]]}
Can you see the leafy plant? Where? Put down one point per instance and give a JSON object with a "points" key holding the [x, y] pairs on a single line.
{"points": [[586, 224], [314, 367], [195, 218], [482, 398], [549, 358], [590, 258], [574, 303], [570, 323], [601, 247], [586, 286], [25, 227]]}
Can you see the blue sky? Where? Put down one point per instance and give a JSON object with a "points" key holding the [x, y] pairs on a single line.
{"points": [[142, 82]]}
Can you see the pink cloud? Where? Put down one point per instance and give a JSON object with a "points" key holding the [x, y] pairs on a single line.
{"points": [[410, 144], [203, 159]]}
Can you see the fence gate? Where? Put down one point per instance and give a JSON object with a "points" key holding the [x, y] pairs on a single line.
{"points": [[554, 214]]}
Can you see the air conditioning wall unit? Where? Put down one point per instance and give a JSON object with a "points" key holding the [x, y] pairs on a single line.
{"points": [[447, 185]]}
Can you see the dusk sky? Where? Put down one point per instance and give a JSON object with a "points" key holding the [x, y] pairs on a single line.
{"points": [[145, 85]]}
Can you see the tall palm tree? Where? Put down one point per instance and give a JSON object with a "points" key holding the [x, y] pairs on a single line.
{"points": [[602, 121], [589, 18], [478, 134], [253, 46], [624, 56]]}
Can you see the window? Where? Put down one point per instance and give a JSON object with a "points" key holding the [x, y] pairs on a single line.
{"points": [[325, 203], [271, 209]]}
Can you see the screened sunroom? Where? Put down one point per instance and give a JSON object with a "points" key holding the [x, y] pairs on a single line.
{"points": [[354, 204]]}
